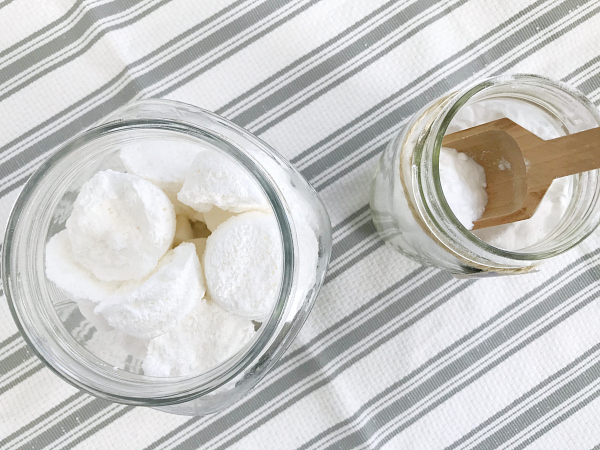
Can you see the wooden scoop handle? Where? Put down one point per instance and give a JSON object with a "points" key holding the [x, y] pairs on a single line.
{"points": [[563, 156]]}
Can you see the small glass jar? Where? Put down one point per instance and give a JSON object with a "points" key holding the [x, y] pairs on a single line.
{"points": [[42, 311], [408, 204]]}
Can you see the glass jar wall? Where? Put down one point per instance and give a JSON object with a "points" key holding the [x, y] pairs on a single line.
{"points": [[52, 323], [408, 204]]}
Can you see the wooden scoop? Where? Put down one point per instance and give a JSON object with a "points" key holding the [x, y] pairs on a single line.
{"points": [[519, 166]]}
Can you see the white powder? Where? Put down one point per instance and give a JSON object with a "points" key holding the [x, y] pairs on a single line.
{"points": [[64, 271], [463, 183], [202, 340], [217, 180], [504, 164], [522, 234], [242, 264], [121, 225]]}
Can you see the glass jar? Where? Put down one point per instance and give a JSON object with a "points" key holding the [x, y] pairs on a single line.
{"points": [[408, 204], [42, 312]]}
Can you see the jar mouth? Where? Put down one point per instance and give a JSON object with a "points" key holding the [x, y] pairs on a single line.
{"points": [[26, 286], [430, 155]]}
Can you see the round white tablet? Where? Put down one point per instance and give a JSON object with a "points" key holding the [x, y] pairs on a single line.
{"points": [[121, 225], [243, 264], [163, 300]]}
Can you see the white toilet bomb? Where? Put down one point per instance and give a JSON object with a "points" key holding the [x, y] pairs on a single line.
{"points": [[162, 162], [121, 225], [205, 338], [64, 271], [217, 180], [141, 308], [163, 300], [243, 264]]}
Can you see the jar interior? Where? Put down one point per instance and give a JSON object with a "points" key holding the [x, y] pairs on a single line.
{"points": [[549, 110], [56, 324]]}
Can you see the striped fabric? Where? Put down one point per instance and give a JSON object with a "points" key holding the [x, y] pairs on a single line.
{"points": [[394, 355]]}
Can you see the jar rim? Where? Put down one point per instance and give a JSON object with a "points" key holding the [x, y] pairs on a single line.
{"points": [[437, 132], [119, 385]]}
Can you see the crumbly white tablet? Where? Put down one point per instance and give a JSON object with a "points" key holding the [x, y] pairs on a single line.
{"points": [[243, 264], [205, 338], [162, 162], [64, 271], [121, 225], [216, 180], [163, 300]]}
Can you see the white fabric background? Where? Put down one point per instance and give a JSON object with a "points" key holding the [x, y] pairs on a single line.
{"points": [[394, 355]]}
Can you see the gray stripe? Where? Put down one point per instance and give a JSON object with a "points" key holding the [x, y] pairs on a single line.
{"points": [[10, 340], [264, 32], [582, 68], [283, 74], [356, 236], [355, 215], [358, 49], [137, 85], [353, 316], [554, 36], [74, 419], [333, 274], [367, 134], [4, 443], [14, 360], [41, 31], [32, 371], [590, 84], [58, 42], [365, 156], [452, 79], [481, 330], [525, 399], [555, 422], [98, 427], [45, 53], [311, 97], [464, 363], [544, 407], [405, 300], [5, 3]]}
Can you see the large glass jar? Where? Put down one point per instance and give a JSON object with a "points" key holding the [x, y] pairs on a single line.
{"points": [[408, 204], [44, 314]]}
